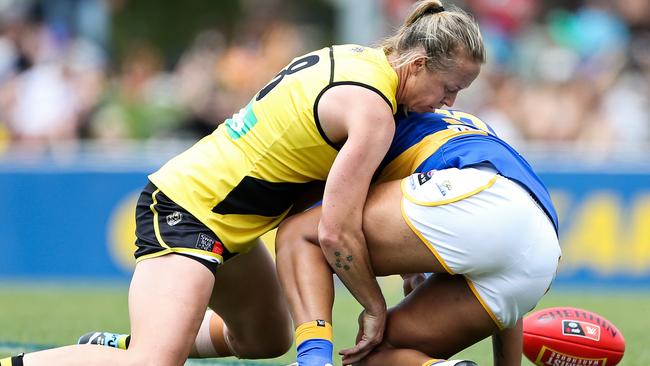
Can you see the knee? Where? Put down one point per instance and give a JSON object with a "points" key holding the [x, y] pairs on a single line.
{"points": [[277, 348], [286, 239], [270, 346]]}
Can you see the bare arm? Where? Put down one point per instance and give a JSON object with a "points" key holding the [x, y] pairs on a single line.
{"points": [[367, 122], [507, 345]]}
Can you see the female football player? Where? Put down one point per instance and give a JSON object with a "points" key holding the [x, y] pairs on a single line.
{"points": [[471, 211], [327, 117]]}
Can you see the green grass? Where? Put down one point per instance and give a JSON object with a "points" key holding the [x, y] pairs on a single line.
{"points": [[57, 315]]}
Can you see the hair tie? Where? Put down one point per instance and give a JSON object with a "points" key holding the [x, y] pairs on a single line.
{"points": [[434, 10]]}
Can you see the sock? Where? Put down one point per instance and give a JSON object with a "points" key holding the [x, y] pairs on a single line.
{"points": [[211, 340], [314, 343], [107, 339], [12, 361], [123, 342]]}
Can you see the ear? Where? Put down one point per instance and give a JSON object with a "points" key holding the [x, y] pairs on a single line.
{"points": [[418, 65]]}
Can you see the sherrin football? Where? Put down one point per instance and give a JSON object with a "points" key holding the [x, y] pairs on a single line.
{"points": [[566, 336]]}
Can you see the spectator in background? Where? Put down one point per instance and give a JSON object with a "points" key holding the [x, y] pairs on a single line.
{"points": [[199, 92], [41, 103], [49, 84], [569, 62], [141, 101]]}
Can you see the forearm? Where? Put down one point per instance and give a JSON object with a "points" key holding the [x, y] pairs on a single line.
{"points": [[349, 259], [507, 345]]}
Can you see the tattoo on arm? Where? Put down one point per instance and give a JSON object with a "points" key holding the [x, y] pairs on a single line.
{"points": [[340, 263]]}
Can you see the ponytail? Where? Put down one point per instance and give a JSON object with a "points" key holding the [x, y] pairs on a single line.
{"points": [[442, 34]]}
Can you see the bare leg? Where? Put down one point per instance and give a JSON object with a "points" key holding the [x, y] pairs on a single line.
{"points": [[247, 297], [305, 275], [394, 248], [507, 345], [167, 300], [395, 356], [439, 318]]}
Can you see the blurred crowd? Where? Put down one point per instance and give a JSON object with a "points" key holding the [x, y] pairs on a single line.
{"points": [[573, 71]]}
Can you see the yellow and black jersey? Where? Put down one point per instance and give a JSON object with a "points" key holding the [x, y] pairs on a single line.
{"points": [[241, 180]]}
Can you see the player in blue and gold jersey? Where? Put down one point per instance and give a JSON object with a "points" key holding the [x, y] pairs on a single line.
{"points": [[327, 118], [472, 211]]}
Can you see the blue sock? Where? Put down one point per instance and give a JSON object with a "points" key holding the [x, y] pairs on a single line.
{"points": [[315, 352]]}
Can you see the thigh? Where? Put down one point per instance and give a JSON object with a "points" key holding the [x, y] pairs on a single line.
{"points": [[440, 318], [246, 292], [167, 300], [393, 246]]}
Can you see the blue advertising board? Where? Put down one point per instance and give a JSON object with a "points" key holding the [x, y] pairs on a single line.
{"points": [[60, 225], [77, 223]]}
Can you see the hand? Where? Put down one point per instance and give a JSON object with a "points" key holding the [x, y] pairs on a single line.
{"points": [[371, 333]]}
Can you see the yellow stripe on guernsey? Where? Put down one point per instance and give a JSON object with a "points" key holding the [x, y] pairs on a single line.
{"points": [[241, 180], [407, 162]]}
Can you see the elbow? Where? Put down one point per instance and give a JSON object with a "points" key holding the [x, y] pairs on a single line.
{"points": [[330, 240], [338, 239]]}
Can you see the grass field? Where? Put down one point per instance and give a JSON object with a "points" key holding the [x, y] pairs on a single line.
{"points": [[33, 316]]}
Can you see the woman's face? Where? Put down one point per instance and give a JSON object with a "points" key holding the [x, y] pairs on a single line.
{"points": [[426, 90]]}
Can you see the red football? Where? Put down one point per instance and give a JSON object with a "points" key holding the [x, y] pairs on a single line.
{"points": [[566, 336]]}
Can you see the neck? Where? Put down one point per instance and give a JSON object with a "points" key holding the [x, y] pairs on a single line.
{"points": [[401, 79]]}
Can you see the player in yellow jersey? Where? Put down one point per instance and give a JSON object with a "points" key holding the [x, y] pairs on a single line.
{"points": [[326, 118]]}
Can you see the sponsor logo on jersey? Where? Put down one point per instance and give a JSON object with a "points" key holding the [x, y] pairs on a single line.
{"points": [[581, 329], [204, 242], [425, 177], [241, 122], [174, 218], [358, 49], [444, 187], [551, 357]]}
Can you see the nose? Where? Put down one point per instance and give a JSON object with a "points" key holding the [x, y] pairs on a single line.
{"points": [[449, 99]]}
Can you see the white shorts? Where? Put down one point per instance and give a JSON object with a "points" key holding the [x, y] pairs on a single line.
{"points": [[488, 228]]}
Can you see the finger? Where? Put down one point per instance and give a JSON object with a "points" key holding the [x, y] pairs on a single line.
{"points": [[357, 352], [353, 359]]}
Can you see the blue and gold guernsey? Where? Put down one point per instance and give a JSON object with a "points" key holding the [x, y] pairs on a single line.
{"points": [[241, 180], [455, 139]]}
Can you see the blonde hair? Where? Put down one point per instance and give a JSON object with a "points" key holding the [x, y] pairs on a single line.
{"points": [[443, 34]]}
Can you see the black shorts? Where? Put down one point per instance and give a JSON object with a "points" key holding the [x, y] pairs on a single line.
{"points": [[164, 227]]}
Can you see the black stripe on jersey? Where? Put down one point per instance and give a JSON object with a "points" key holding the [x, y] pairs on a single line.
{"points": [[315, 108], [331, 64], [254, 196]]}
